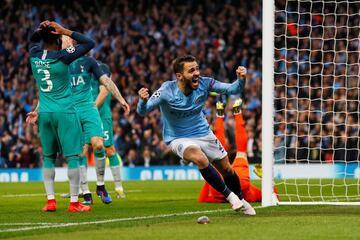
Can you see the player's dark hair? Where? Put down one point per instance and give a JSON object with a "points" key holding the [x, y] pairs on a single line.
{"points": [[47, 36], [178, 63]]}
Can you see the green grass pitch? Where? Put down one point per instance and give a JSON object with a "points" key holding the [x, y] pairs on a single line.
{"points": [[165, 210]]}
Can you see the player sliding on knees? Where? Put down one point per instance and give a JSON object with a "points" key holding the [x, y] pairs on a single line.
{"points": [[59, 126], [187, 131]]}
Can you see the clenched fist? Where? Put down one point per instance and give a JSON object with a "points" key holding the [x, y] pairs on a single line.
{"points": [[241, 72], [144, 94]]}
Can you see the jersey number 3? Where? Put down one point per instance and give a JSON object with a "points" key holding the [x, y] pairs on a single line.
{"points": [[46, 78]]}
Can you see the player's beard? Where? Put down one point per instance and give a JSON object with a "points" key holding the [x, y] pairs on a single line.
{"points": [[192, 83]]}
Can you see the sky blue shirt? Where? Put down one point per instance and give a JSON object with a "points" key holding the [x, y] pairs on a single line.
{"points": [[182, 115]]}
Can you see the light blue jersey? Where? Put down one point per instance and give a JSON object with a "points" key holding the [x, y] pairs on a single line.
{"points": [[182, 115]]}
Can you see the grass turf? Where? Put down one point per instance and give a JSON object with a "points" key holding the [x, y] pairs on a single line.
{"points": [[149, 211]]}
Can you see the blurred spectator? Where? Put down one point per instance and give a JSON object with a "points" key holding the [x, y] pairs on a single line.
{"points": [[316, 72], [148, 157], [317, 82], [131, 158]]}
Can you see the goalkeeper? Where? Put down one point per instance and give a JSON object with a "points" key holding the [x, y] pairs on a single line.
{"points": [[240, 163]]}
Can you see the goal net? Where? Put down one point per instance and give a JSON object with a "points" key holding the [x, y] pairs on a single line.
{"points": [[315, 101]]}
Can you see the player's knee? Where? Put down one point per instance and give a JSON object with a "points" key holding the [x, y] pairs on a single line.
{"points": [[227, 171], [199, 158], [195, 155], [97, 144], [110, 150], [224, 167], [201, 162]]}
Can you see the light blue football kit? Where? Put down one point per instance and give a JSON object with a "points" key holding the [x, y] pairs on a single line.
{"points": [[184, 125], [182, 115]]}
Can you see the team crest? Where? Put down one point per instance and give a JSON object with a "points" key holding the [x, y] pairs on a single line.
{"points": [[180, 147], [70, 49]]}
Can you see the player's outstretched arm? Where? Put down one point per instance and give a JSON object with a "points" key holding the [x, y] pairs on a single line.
{"points": [[111, 87], [146, 104], [230, 88]]}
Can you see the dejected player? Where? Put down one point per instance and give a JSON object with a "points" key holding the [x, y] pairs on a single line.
{"points": [[186, 130], [102, 98], [81, 72], [59, 126]]}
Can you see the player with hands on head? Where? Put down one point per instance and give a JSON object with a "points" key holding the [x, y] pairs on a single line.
{"points": [[59, 125], [81, 74]]}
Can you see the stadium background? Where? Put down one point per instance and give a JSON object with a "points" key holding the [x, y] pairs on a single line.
{"points": [[138, 40]]}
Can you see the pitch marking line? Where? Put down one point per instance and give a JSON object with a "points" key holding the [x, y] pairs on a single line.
{"points": [[64, 225], [26, 223], [58, 194]]}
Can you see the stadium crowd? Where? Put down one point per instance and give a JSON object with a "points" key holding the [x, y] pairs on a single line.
{"points": [[317, 110], [138, 40], [317, 82]]}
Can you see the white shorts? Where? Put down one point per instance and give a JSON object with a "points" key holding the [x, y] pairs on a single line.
{"points": [[209, 144]]}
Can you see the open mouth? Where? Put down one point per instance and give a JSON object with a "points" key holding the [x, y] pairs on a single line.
{"points": [[195, 83], [195, 80]]}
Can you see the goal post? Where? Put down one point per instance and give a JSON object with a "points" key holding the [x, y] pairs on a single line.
{"points": [[267, 102], [310, 102]]}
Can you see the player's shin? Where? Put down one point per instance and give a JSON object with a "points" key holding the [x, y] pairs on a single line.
{"points": [[115, 170], [49, 177], [84, 186], [100, 166], [115, 167], [74, 177], [233, 182], [214, 179]]}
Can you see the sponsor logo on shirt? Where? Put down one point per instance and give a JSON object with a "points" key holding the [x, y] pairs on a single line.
{"points": [[199, 99], [185, 114]]}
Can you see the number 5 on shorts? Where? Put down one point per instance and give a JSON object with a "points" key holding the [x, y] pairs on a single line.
{"points": [[106, 135]]}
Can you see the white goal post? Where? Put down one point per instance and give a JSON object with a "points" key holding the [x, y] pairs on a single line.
{"points": [[310, 102]]}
